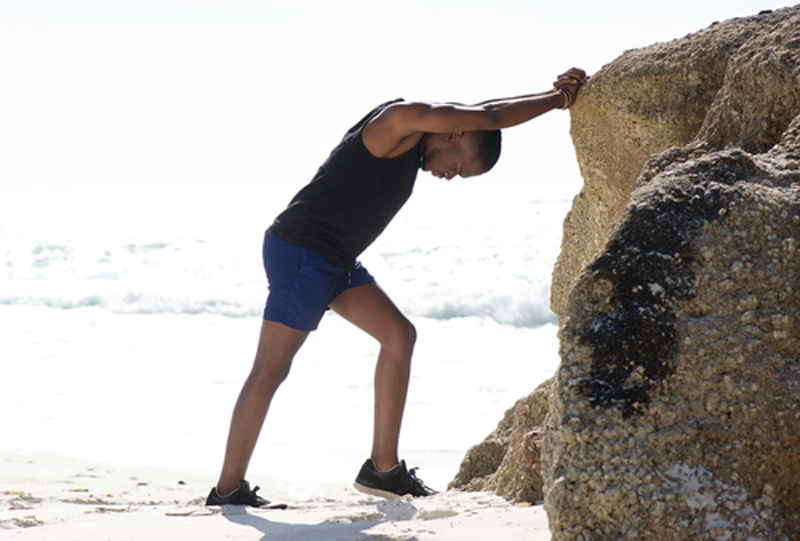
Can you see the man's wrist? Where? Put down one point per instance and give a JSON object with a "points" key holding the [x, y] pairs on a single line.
{"points": [[568, 97]]}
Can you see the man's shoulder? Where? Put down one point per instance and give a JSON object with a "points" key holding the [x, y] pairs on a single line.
{"points": [[386, 133]]}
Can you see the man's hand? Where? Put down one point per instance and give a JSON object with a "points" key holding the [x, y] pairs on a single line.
{"points": [[568, 83]]}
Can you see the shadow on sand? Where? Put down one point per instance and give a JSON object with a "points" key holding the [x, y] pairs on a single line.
{"points": [[348, 526]]}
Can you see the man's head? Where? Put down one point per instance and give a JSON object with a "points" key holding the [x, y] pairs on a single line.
{"points": [[465, 154], [486, 144]]}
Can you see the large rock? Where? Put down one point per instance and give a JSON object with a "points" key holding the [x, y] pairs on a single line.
{"points": [[734, 83], [674, 412], [676, 409]]}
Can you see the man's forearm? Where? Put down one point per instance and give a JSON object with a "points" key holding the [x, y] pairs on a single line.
{"points": [[498, 101], [514, 111]]}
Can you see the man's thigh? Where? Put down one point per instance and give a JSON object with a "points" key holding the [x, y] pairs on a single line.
{"points": [[370, 309]]}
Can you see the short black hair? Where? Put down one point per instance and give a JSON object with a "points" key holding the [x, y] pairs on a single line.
{"points": [[486, 145]]}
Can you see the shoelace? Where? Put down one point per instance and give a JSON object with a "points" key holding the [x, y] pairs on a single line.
{"points": [[255, 498], [413, 474]]}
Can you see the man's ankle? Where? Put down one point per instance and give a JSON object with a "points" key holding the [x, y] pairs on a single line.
{"points": [[224, 489], [386, 465]]}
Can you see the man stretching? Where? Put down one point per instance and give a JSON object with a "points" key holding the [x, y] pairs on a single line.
{"points": [[310, 256]]}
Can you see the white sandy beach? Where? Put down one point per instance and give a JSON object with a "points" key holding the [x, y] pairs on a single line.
{"points": [[45, 496]]}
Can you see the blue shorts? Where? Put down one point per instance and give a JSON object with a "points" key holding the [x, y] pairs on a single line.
{"points": [[302, 283]]}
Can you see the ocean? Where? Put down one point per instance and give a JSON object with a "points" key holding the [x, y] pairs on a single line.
{"points": [[130, 319]]}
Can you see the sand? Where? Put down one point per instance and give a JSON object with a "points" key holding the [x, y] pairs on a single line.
{"points": [[44, 496]]}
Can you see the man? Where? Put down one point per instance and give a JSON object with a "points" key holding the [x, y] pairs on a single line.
{"points": [[310, 256]]}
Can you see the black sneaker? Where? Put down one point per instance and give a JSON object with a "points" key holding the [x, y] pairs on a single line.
{"points": [[396, 482], [241, 496]]}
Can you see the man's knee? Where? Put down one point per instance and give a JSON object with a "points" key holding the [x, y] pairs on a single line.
{"points": [[402, 337], [269, 376], [412, 333]]}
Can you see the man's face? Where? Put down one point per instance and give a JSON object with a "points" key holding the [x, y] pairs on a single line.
{"points": [[447, 157]]}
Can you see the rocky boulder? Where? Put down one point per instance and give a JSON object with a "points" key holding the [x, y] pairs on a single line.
{"points": [[675, 413], [732, 84]]}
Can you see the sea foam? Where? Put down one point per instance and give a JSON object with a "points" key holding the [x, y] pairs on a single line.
{"points": [[433, 264]]}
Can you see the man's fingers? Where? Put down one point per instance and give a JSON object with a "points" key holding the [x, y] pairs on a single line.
{"points": [[572, 77], [568, 84], [577, 73], [574, 73], [563, 81]]}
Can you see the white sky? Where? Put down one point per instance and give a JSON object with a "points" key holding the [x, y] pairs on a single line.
{"points": [[182, 93]]}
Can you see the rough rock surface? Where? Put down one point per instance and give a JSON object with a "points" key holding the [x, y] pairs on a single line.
{"points": [[507, 461], [675, 413], [732, 84], [483, 459]]}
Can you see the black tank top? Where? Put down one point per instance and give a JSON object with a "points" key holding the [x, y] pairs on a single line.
{"points": [[351, 199]]}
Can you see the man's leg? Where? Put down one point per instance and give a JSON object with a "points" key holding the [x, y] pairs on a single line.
{"points": [[277, 346], [370, 309]]}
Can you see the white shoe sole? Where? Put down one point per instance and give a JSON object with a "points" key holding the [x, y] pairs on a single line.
{"points": [[376, 492]]}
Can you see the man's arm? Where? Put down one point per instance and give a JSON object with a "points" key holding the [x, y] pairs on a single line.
{"points": [[399, 127]]}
